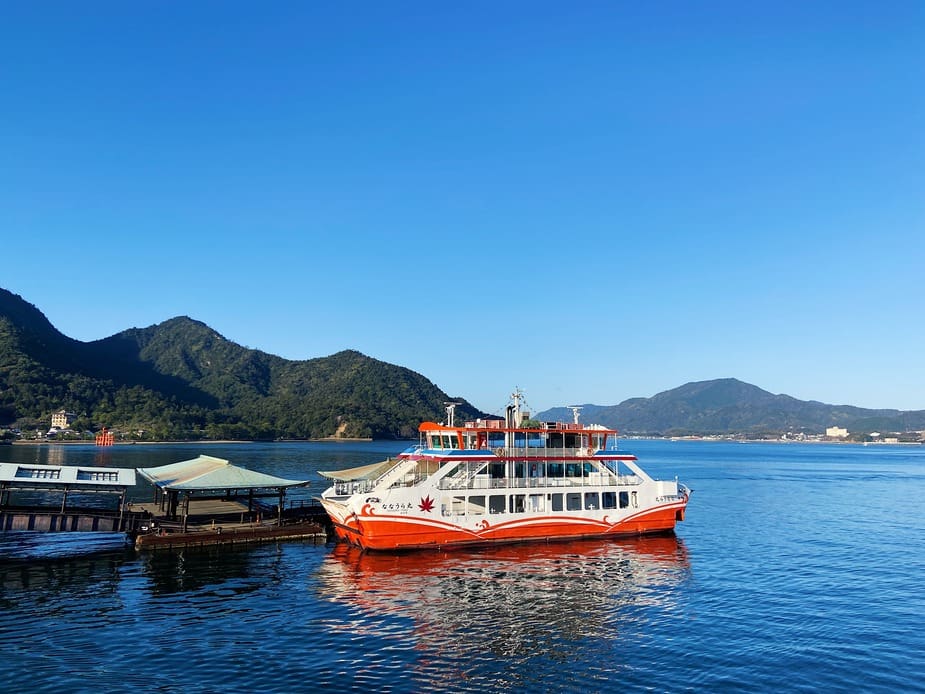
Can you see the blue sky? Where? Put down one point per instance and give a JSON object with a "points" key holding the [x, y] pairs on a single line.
{"points": [[590, 201]]}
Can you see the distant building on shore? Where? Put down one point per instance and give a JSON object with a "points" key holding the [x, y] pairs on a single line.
{"points": [[836, 433], [62, 419]]}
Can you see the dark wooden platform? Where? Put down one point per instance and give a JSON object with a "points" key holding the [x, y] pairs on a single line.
{"points": [[237, 534], [222, 521]]}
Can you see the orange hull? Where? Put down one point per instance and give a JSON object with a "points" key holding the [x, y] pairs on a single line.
{"points": [[392, 532]]}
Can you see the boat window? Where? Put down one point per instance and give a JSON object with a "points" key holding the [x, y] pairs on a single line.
{"points": [[635, 501], [556, 470], [517, 503], [592, 502], [609, 500], [573, 501], [496, 503], [476, 505], [537, 502], [435, 442], [624, 499], [556, 502]]}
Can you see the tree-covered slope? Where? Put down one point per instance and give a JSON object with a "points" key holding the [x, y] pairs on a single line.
{"points": [[181, 379]]}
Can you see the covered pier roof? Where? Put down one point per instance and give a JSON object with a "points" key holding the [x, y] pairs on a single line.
{"points": [[36, 477], [205, 473]]}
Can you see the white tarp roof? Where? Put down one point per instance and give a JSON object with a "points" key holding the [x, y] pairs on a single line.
{"points": [[364, 472], [206, 472]]}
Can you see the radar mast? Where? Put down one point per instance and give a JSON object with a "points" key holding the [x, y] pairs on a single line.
{"points": [[451, 412]]}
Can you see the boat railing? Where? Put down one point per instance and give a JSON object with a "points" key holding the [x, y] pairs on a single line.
{"points": [[353, 487], [544, 452], [465, 478], [486, 482]]}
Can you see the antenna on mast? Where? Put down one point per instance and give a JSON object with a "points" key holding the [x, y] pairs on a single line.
{"points": [[575, 410], [517, 415], [451, 412]]}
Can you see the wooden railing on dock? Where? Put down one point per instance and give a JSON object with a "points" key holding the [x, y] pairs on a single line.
{"points": [[41, 519]]}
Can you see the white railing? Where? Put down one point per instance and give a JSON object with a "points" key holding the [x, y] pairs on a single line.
{"points": [[596, 480]]}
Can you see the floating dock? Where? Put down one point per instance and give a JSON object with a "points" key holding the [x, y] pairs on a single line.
{"points": [[214, 522], [237, 535]]}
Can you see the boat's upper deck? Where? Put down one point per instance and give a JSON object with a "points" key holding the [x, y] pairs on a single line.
{"points": [[535, 439]]}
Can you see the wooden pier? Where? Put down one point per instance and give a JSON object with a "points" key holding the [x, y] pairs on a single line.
{"points": [[229, 511], [234, 535], [216, 521]]}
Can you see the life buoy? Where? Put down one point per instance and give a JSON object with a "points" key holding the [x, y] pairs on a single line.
{"points": [[590, 451], [499, 452]]}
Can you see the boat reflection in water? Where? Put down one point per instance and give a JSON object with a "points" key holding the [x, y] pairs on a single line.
{"points": [[474, 615]]}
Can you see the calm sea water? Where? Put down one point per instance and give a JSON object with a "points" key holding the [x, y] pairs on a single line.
{"points": [[799, 568]]}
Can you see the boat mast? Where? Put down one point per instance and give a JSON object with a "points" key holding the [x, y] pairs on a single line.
{"points": [[451, 412], [514, 417], [575, 410], [518, 415]]}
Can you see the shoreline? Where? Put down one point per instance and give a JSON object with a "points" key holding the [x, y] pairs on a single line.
{"points": [[340, 439], [210, 442]]}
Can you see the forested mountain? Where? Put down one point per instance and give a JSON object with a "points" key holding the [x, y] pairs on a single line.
{"points": [[729, 405], [181, 379]]}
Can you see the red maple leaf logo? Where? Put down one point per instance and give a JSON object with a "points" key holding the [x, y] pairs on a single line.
{"points": [[427, 504]]}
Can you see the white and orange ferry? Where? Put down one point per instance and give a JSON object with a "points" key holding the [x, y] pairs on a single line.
{"points": [[498, 481]]}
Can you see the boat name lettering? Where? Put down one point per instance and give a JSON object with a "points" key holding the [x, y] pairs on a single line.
{"points": [[396, 507]]}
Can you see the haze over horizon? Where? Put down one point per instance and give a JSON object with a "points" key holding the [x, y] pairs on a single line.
{"points": [[589, 203]]}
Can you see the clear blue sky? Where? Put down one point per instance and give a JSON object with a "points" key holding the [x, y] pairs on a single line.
{"points": [[591, 201]]}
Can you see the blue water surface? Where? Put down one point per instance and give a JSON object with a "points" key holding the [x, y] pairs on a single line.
{"points": [[798, 568]]}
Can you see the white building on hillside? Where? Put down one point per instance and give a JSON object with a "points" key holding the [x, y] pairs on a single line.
{"points": [[62, 419]]}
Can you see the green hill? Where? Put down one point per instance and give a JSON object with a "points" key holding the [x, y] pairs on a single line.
{"points": [[180, 380], [727, 405]]}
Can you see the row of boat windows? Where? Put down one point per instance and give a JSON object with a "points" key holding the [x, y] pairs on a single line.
{"points": [[538, 469], [518, 440], [475, 505]]}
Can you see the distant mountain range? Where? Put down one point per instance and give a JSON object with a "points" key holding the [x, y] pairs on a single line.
{"points": [[182, 380], [728, 405]]}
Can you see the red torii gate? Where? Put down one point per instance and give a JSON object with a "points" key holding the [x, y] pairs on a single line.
{"points": [[105, 438]]}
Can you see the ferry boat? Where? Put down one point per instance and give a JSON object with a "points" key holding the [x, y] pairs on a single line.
{"points": [[500, 481]]}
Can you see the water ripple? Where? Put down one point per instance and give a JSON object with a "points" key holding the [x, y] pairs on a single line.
{"points": [[794, 573]]}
